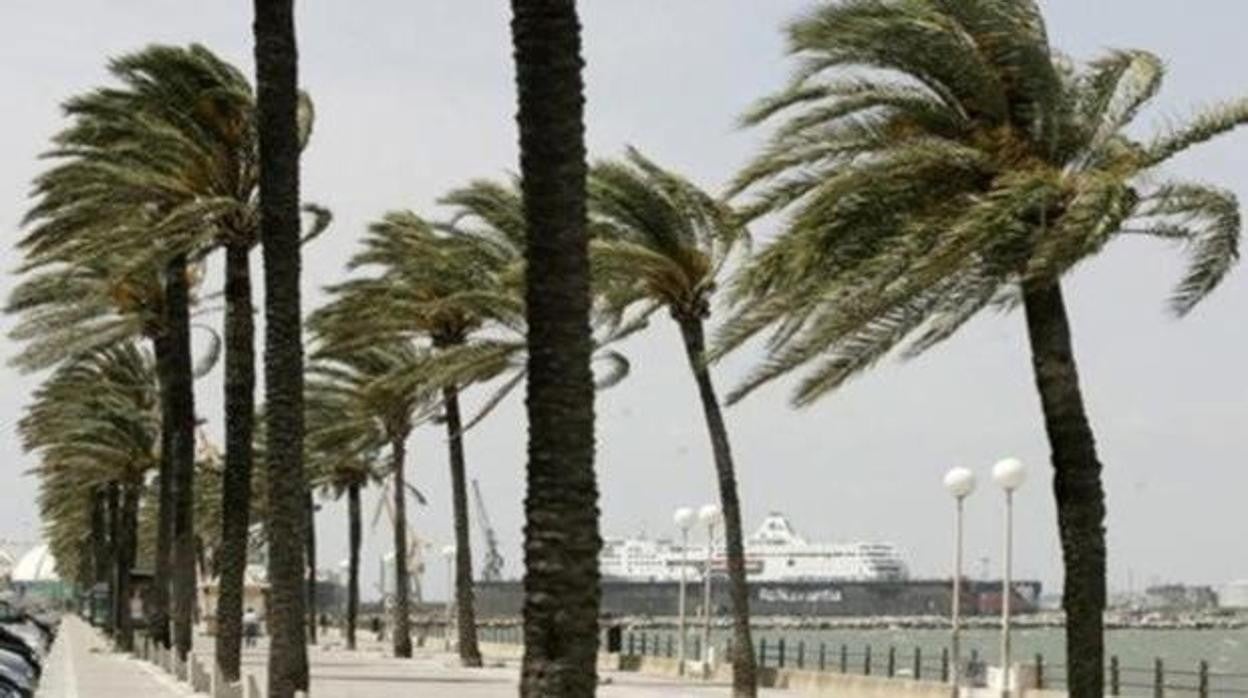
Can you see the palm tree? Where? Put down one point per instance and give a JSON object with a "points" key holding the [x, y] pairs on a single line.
{"points": [[660, 242], [442, 289], [95, 427], [372, 411], [561, 508], [179, 139], [278, 128], [109, 241], [343, 448], [969, 164]]}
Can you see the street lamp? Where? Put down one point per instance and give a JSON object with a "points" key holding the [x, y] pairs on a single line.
{"points": [[448, 552], [709, 515], [961, 483], [1009, 475], [683, 517]]}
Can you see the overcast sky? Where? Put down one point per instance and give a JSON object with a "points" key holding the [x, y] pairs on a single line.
{"points": [[414, 98]]}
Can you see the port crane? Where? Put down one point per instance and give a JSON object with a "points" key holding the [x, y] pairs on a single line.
{"points": [[492, 567]]}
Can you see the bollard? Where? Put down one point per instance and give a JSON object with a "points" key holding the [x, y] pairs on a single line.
{"points": [[823, 657], [1159, 679], [762, 652], [918, 664], [1039, 670], [844, 659], [1203, 686], [1114, 684], [782, 653], [252, 687], [944, 664], [892, 661], [222, 688], [801, 654], [866, 662]]}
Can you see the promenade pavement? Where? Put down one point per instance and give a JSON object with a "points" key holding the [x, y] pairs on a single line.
{"points": [[81, 666]]}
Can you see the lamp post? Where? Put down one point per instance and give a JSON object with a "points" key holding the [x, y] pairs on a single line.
{"points": [[709, 515], [448, 552], [961, 483], [683, 517], [1009, 474]]}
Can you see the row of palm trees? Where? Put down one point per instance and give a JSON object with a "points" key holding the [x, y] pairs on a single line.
{"points": [[928, 160]]}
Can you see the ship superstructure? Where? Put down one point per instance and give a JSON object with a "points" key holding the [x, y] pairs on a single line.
{"points": [[774, 553]]}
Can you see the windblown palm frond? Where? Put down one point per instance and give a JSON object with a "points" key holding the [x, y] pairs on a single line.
{"points": [[930, 158], [93, 423]]}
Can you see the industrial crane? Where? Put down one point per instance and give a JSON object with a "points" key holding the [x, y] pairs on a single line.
{"points": [[492, 567]]}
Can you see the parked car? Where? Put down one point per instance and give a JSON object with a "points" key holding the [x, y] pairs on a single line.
{"points": [[14, 682], [15, 646]]}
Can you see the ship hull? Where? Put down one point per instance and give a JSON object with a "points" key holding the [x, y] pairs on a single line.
{"points": [[914, 597]]}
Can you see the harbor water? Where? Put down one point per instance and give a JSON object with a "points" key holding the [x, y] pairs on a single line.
{"points": [[1181, 650]]}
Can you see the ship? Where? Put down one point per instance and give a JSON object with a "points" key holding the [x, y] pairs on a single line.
{"points": [[787, 576], [775, 552]]}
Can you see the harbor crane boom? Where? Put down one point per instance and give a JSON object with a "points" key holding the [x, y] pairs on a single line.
{"points": [[492, 566]]}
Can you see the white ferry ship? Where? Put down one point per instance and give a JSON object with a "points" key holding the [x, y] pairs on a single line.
{"points": [[774, 553]]}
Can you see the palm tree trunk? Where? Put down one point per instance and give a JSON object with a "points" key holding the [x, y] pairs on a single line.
{"points": [[182, 450], [99, 537], [159, 618], [114, 557], [402, 602], [126, 544], [1076, 485], [310, 554], [353, 572], [277, 100], [744, 673], [561, 542], [240, 415], [466, 617]]}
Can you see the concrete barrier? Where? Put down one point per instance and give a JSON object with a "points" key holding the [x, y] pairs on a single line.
{"points": [[200, 681], [502, 651], [854, 686], [252, 687], [222, 688]]}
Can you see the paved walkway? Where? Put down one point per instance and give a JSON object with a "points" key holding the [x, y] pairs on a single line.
{"points": [[81, 665]]}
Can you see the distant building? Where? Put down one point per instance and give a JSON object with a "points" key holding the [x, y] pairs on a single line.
{"points": [[1233, 595], [1179, 597], [35, 576]]}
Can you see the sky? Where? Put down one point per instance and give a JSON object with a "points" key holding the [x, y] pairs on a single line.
{"points": [[414, 98]]}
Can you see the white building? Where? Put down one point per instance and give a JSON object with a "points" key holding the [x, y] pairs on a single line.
{"points": [[1233, 594]]}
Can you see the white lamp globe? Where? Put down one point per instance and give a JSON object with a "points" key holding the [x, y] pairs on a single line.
{"points": [[960, 482], [1009, 473], [709, 515], [449, 551], [684, 517]]}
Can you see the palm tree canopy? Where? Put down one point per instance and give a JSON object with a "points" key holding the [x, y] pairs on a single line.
{"points": [[163, 164], [454, 287], [931, 156], [658, 239], [95, 421]]}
